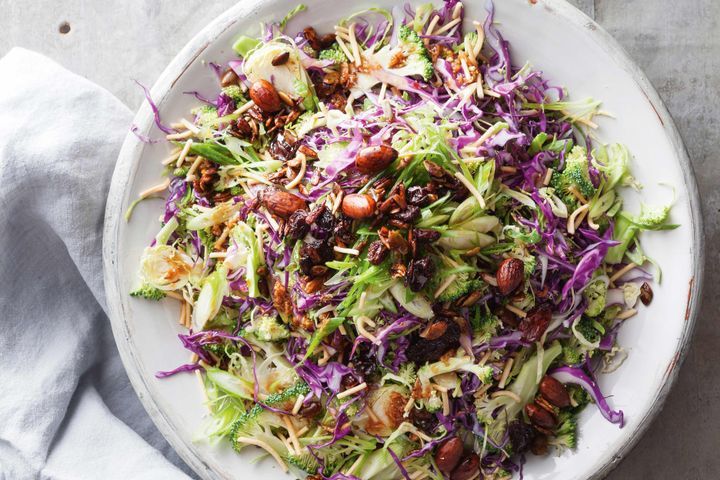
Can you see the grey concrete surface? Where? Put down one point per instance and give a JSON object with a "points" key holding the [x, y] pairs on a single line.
{"points": [[677, 44]]}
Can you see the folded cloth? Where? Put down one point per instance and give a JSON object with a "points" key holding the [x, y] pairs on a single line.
{"points": [[67, 410]]}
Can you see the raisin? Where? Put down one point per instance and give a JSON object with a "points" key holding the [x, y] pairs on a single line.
{"points": [[409, 215], [283, 147], [311, 36], [535, 324], [377, 252], [419, 272], [314, 252], [422, 350], [426, 236], [343, 230], [521, 436], [322, 222], [419, 196], [424, 420], [297, 227], [363, 361]]}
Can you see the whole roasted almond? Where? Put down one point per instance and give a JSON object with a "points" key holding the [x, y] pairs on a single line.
{"points": [[282, 204], [554, 392], [265, 96], [448, 455], [358, 206], [373, 159], [534, 325], [509, 275], [540, 417]]}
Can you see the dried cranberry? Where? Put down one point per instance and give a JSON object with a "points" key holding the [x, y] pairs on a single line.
{"points": [[418, 196], [343, 230], [424, 420], [422, 350], [426, 236], [521, 436], [377, 252], [535, 324], [322, 222], [311, 36], [419, 272], [283, 147], [409, 215], [363, 361], [314, 252], [297, 227]]}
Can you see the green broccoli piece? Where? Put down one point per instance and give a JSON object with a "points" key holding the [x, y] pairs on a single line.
{"points": [[433, 403], [460, 287], [146, 291], [409, 57], [235, 93], [267, 329], [304, 461], [333, 53], [587, 327], [257, 422], [572, 354], [206, 115], [484, 324], [574, 177], [579, 397], [595, 295], [566, 433]]}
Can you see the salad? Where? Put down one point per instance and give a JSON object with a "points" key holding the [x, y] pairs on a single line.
{"points": [[398, 254]]}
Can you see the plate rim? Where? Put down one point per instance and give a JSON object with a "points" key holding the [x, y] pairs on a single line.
{"points": [[132, 147]]}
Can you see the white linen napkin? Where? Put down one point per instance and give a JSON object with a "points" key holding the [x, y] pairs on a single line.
{"points": [[67, 410]]}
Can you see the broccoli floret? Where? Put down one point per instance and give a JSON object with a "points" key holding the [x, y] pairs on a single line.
{"points": [[333, 53], [235, 93], [484, 324], [304, 461], [595, 295], [257, 422], [433, 403], [579, 397], [572, 354], [207, 114], [575, 177], [566, 433], [587, 328], [409, 57], [146, 291], [267, 329], [460, 287]]}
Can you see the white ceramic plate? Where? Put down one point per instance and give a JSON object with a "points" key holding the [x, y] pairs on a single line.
{"points": [[572, 51]]}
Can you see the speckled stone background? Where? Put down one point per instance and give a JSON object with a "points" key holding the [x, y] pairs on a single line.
{"points": [[676, 43]]}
